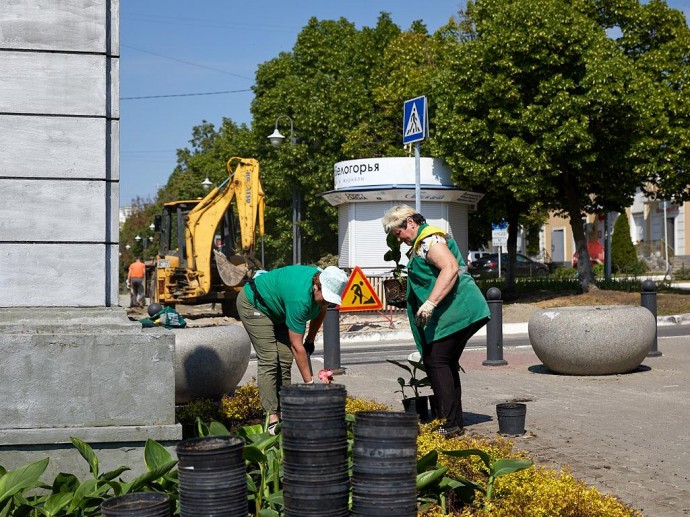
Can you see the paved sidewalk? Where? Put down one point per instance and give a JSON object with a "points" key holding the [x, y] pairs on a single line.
{"points": [[628, 435]]}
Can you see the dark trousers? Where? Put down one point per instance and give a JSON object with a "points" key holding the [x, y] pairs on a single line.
{"points": [[441, 360]]}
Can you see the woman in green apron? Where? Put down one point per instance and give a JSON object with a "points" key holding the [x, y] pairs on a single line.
{"points": [[444, 305]]}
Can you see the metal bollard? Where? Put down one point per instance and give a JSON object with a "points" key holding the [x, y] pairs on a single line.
{"points": [[648, 301], [494, 329], [331, 340]]}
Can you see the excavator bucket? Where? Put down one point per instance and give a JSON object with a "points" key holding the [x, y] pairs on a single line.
{"points": [[233, 271]]}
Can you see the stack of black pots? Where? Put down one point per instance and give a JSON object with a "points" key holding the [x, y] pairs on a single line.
{"points": [[384, 458], [213, 477], [315, 476]]}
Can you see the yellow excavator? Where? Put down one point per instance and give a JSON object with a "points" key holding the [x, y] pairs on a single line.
{"points": [[198, 259]]}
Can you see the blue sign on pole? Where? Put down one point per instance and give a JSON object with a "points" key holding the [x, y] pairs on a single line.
{"points": [[414, 120]]}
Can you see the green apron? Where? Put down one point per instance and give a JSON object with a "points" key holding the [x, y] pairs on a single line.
{"points": [[461, 307]]}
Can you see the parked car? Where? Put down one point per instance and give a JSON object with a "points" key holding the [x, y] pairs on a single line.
{"points": [[524, 266], [474, 255]]}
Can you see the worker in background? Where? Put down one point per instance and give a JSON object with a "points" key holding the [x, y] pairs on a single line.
{"points": [[135, 282]]}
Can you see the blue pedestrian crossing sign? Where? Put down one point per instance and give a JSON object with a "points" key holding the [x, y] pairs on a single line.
{"points": [[414, 120]]}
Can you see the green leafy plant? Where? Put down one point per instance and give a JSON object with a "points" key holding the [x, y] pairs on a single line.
{"points": [[15, 483], [394, 254], [498, 468], [22, 492], [434, 485], [414, 381]]}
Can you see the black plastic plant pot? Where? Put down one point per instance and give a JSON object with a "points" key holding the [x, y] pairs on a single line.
{"points": [[138, 504], [511, 418]]}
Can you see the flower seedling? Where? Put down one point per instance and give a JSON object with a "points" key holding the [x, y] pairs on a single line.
{"points": [[326, 376]]}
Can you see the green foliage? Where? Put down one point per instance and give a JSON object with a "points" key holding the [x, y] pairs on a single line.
{"points": [[682, 274], [243, 406], [394, 254], [413, 382], [327, 260], [456, 476], [623, 254], [204, 409], [496, 468], [436, 482], [22, 492], [564, 273], [536, 104], [356, 404]]}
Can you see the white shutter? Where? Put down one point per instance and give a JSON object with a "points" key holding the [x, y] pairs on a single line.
{"points": [[457, 221], [369, 240], [344, 240]]}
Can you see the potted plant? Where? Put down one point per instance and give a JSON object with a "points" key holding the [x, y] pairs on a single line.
{"points": [[395, 288], [421, 404]]}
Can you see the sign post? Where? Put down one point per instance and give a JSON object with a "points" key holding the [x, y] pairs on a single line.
{"points": [[415, 129], [499, 238]]}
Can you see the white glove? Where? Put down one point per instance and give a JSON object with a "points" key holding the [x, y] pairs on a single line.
{"points": [[129, 286], [424, 313]]}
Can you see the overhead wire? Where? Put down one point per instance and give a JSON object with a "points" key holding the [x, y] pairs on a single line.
{"points": [[183, 94]]}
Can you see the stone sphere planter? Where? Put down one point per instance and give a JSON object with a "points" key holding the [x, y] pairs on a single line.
{"points": [[592, 340], [209, 361]]}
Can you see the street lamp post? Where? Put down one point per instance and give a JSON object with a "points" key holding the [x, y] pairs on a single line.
{"points": [[277, 139]]}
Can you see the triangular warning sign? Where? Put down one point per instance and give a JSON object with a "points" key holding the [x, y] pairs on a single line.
{"points": [[359, 295], [414, 125]]}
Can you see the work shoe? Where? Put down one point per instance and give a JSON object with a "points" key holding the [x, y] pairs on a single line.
{"points": [[450, 431]]}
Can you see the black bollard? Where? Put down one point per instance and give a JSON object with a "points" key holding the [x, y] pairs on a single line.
{"points": [[648, 301], [494, 329], [331, 340]]}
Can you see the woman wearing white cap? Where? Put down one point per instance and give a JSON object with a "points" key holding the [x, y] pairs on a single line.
{"points": [[275, 307]]}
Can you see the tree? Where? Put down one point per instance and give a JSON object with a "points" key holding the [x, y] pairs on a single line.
{"points": [[623, 254], [325, 85], [536, 101]]}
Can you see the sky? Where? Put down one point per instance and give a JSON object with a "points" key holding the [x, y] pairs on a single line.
{"points": [[176, 56]]}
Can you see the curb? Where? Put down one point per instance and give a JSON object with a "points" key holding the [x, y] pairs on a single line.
{"points": [[389, 336]]}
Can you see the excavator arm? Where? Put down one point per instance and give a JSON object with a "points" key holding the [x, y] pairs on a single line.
{"points": [[243, 185]]}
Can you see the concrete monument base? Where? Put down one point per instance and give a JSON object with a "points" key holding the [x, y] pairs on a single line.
{"points": [[87, 373], [592, 340]]}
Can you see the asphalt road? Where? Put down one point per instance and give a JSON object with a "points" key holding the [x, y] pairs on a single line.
{"points": [[376, 352]]}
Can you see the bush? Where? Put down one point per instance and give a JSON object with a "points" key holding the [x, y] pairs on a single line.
{"points": [[564, 273], [623, 254], [356, 404], [242, 407], [205, 409], [533, 492]]}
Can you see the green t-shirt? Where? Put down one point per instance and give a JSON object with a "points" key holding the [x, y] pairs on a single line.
{"points": [[288, 297]]}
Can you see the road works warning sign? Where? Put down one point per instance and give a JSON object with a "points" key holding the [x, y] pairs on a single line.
{"points": [[359, 295]]}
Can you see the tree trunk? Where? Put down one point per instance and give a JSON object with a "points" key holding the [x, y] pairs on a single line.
{"points": [[584, 266], [513, 226]]}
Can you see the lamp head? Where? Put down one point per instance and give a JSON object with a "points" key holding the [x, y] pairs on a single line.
{"points": [[206, 183], [276, 138]]}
